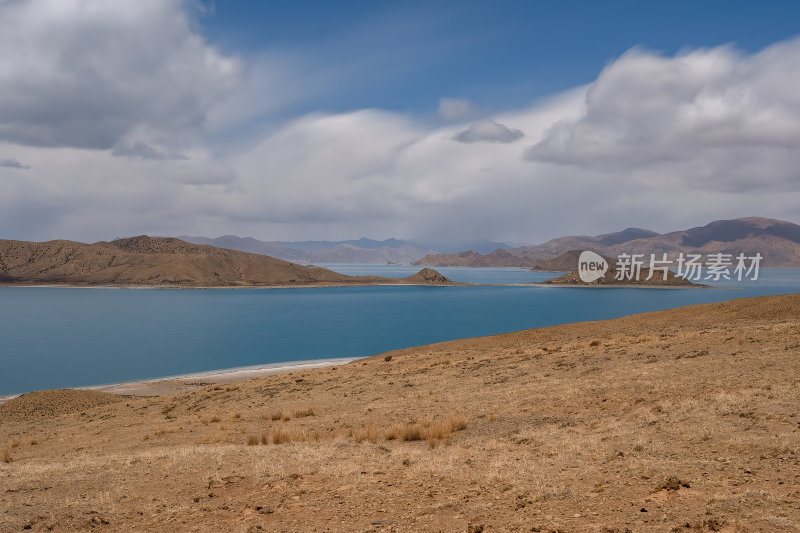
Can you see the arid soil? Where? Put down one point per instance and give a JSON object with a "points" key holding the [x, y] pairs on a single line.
{"points": [[166, 262], [678, 421]]}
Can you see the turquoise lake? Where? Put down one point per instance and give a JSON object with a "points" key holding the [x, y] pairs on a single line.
{"points": [[68, 337]]}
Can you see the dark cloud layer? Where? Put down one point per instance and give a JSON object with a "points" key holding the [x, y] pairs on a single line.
{"points": [[13, 163]]}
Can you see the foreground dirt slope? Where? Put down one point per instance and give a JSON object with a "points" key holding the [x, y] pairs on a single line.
{"points": [[159, 261], [682, 420]]}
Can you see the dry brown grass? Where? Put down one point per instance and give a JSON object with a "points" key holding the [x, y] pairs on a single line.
{"points": [[428, 429], [368, 432], [404, 431], [215, 419], [7, 455], [673, 483], [281, 436], [286, 414], [301, 413], [569, 439]]}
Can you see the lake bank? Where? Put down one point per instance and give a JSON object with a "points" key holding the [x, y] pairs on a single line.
{"points": [[689, 414]]}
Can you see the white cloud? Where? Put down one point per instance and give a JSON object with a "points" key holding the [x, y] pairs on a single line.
{"points": [[112, 127], [488, 131], [710, 118], [87, 73]]}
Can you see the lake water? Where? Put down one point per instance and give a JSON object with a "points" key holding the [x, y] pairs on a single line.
{"points": [[68, 337]]}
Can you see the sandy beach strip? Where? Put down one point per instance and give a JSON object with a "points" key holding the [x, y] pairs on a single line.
{"points": [[187, 382]]}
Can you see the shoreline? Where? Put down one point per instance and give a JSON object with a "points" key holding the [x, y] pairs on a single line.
{"points": [[163, 385], [626, 286], [340, 285], [212, 287]]}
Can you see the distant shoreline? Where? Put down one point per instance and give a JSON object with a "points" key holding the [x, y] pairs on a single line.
{"points": [[160, 386], [179, 287], [626, 286]]}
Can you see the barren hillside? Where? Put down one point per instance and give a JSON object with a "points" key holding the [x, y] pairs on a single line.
{"points": [[680, 420], [156, 261], [777, 241]]}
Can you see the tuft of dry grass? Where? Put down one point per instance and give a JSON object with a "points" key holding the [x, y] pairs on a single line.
{"points": [[306, 411], [215, 418], [252, 440], [34, 442], [405, 432], [236, 416], [280, 436], [368, 432], [7, 455], [673, 483], [429, 430]]}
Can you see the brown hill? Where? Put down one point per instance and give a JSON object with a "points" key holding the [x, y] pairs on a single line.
{"points": [[156, 261], [428, 276], [563, 263], [777, 241]]}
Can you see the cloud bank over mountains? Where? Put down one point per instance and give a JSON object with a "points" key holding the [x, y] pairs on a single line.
{"points": [[117, 112]]}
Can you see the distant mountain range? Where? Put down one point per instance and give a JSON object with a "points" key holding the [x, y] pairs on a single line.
{"points": [[353, 251], [777, 241]]}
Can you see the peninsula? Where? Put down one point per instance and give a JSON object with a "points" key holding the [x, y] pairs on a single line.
{"points": [[168, 262]]}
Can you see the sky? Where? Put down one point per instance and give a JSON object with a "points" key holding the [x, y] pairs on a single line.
{"points": [[508, 120]]}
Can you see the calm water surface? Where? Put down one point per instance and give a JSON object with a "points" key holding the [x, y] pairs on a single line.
{"points": [[65, 337]]}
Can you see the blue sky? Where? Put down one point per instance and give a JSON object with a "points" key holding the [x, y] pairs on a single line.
{"points": [[500, 54], [508, 121]]}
